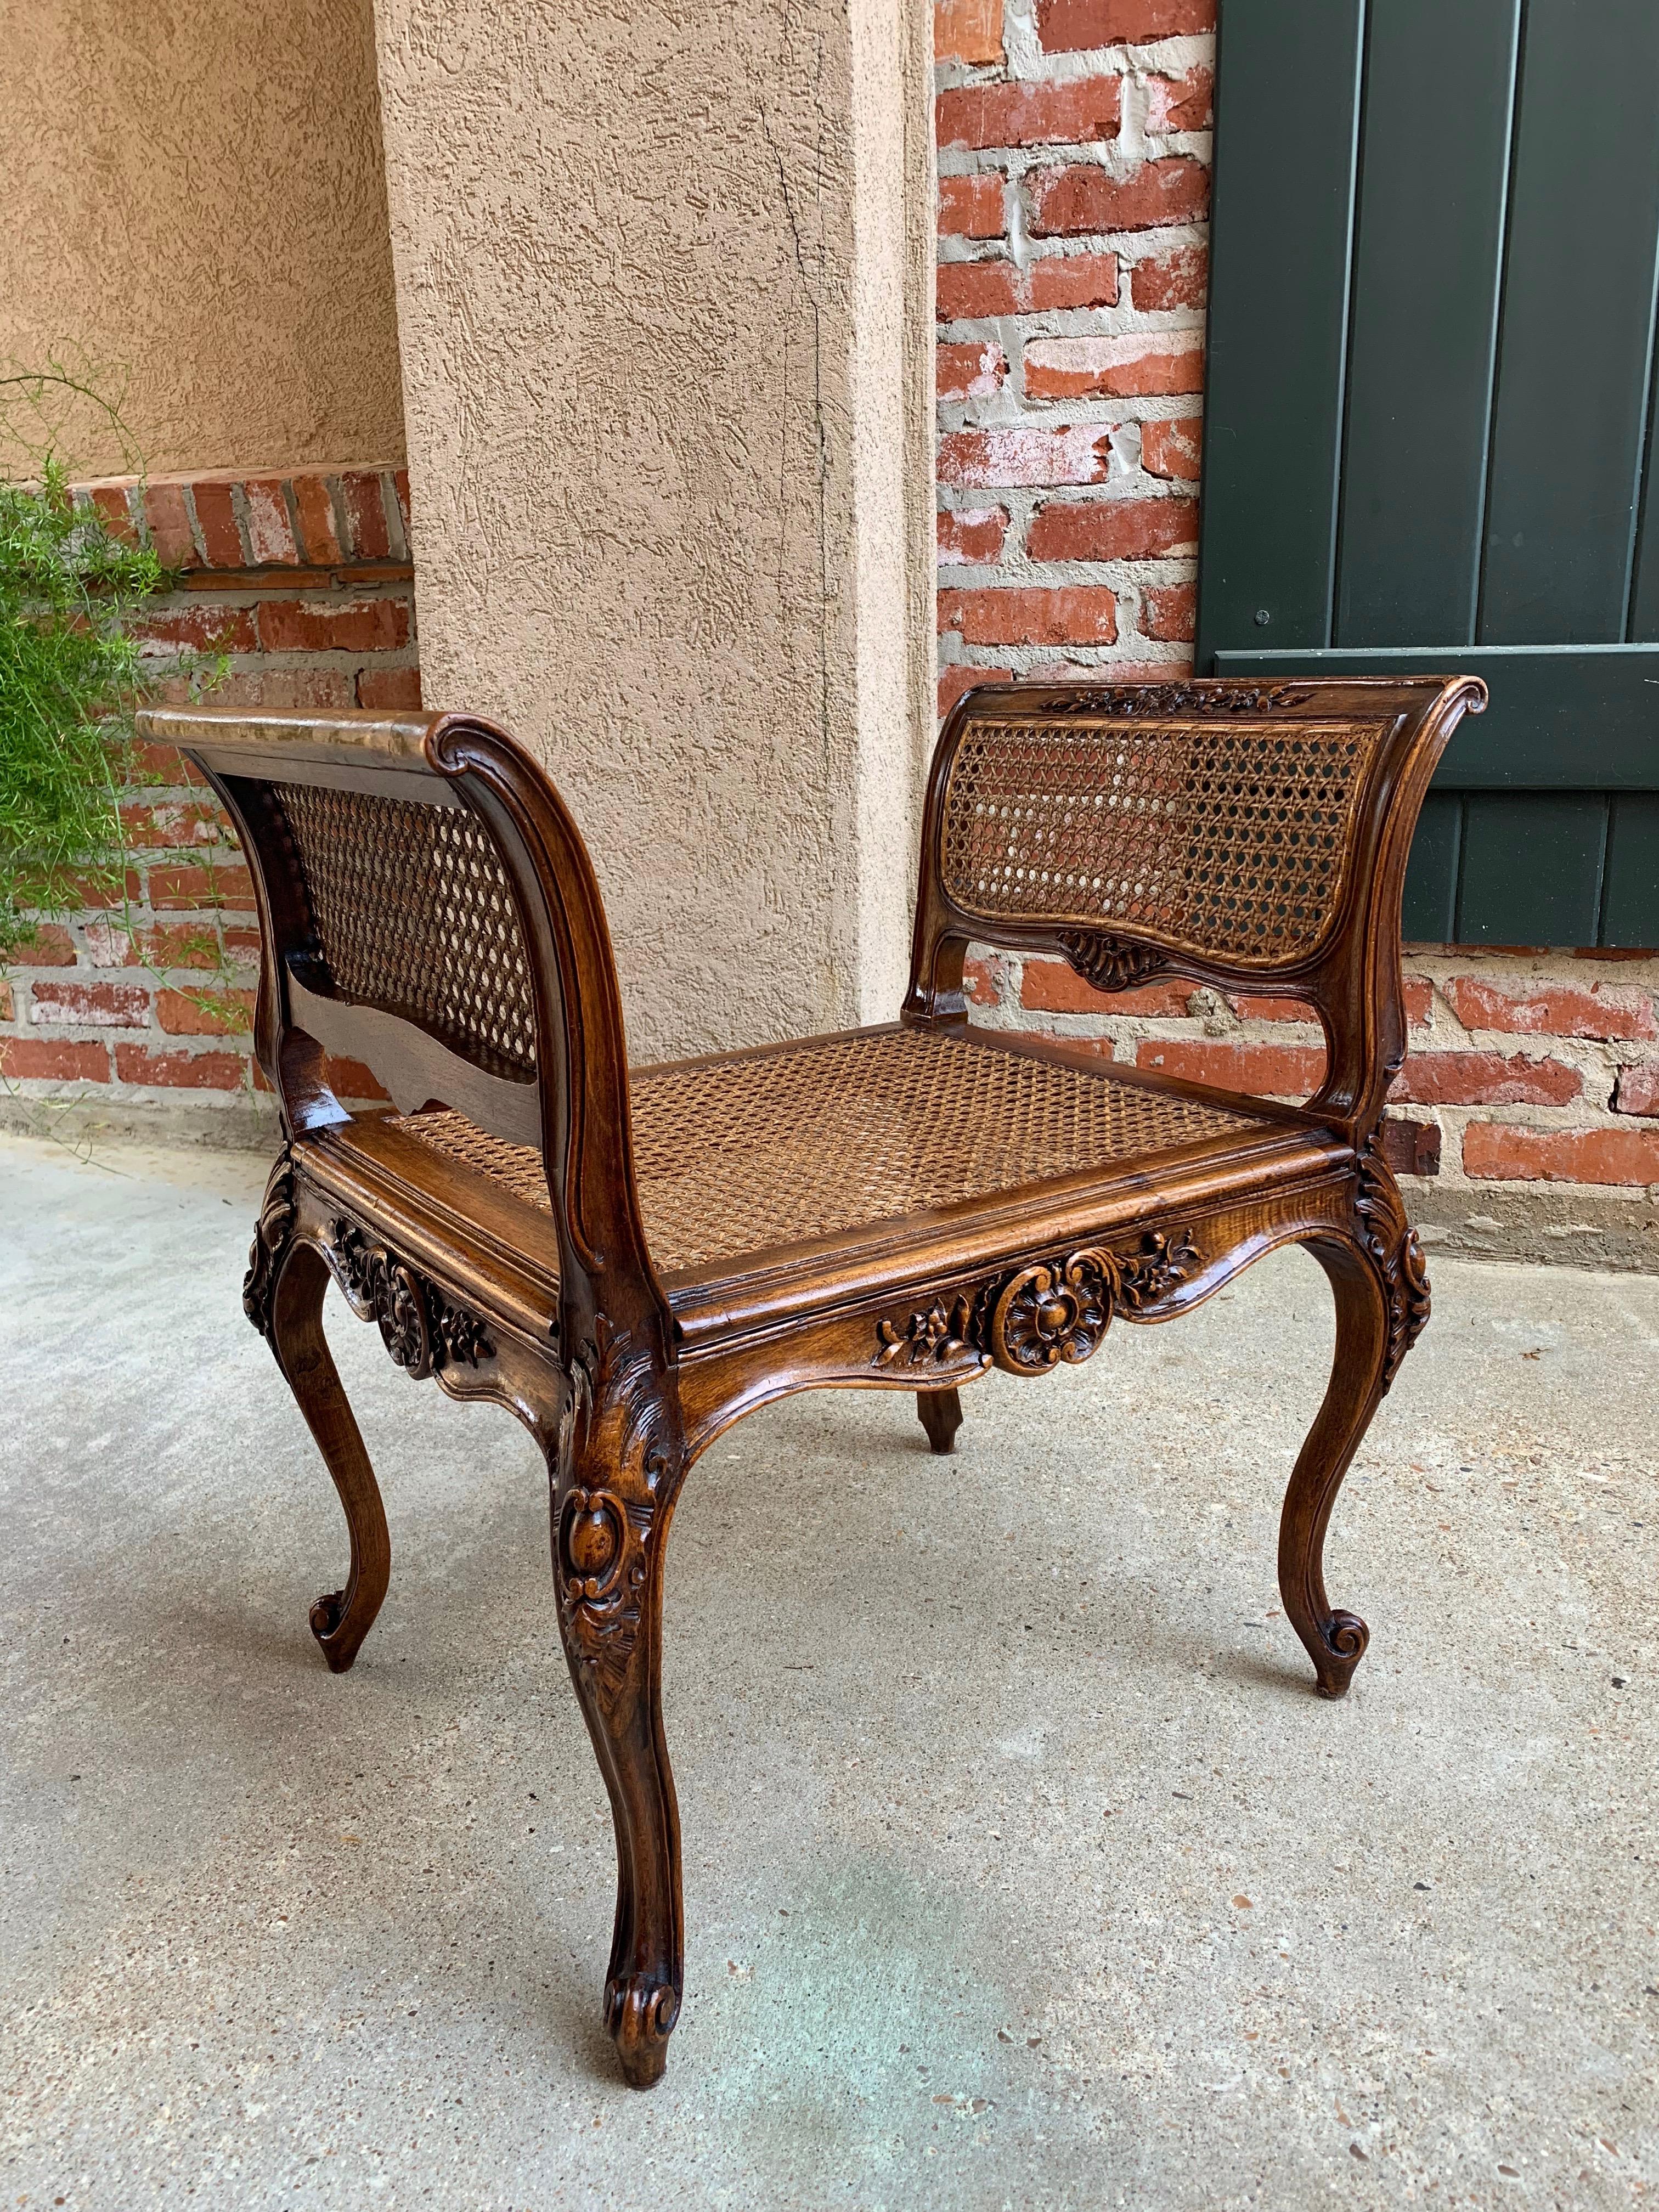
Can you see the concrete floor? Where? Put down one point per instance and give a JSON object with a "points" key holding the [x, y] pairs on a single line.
{"points": [[1023, 1868]]}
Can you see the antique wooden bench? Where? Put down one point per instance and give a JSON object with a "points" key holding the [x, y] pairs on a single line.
{"points": [[630, 1261]]}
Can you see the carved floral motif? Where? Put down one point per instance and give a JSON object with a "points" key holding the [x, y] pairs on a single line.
{"points": [[1054, 1312], [615, 1416], [931, 1337], [1162, 1265], [422, 1330], [1395, 1247], [270, 1237], [601, 1551], [1147, 701], [1057, 1311], [462, 1334], [1111, 963]]}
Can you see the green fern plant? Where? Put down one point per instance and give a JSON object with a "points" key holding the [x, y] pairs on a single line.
{"points": [[70, 676]]}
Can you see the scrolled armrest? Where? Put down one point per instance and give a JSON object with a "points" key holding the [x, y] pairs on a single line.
{"points": [[1246, 835]]}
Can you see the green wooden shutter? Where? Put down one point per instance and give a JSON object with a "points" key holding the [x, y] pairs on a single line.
{"points": [[1429, 418]]}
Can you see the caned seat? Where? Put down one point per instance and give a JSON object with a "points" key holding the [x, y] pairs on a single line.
{"points": [[630, 1262], [746, 1155]]}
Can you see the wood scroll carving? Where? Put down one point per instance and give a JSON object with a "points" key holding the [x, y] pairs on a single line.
{"points": [[601, 1549], [1051, 1312], [1146, 1278], [617, 1426], [270, 1239], [1144, 703], [1057, 1311], [929, 1338], [422, 1330], [1111, 963], [1397, 1252]]}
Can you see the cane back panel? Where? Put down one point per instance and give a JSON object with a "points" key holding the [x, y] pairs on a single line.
{"points": [[788, 1147], [412, 912], [1225, 839]]}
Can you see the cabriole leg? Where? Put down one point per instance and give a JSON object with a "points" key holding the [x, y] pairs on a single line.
{"points": [[340, 1619], [1360, 1374], [609, 1530], [941, 1416]]}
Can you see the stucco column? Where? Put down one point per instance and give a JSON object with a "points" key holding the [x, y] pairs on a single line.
{"points": [[664, 297]]}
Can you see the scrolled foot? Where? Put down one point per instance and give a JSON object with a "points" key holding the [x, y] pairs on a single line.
{"points": [[640, 2013], [940, 1413], [339, 1637], [1336, 1648]]}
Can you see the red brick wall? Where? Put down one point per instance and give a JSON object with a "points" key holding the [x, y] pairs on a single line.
{"points": [[304, 582], [1073, 152]]}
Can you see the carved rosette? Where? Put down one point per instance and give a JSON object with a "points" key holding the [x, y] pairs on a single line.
{"points": [[424, 1331], [270, 1239], [1057, 1311], [1051, 1312], [1397, 1252], [1111, 963]]}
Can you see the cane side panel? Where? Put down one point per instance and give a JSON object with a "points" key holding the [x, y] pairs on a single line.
{"points": [[413, 912], [1221, 839]]}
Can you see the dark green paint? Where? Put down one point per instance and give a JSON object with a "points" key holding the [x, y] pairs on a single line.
{"points": [[1490, 400], [1630, 898], [1281, 224], [1570, 414], [1645, 584], [1531, 868], [1427, 255], [1429, 912]]}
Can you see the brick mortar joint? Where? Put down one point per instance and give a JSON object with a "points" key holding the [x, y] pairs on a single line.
{"points": [[958, 249], [241, 598], [1015, 163], [1176, 56], [298, 658]]}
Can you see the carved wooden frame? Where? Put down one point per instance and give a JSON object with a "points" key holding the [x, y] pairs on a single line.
{"points": [[623, 1376]]}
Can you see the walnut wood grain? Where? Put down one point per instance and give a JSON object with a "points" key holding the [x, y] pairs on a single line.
{"points": [[340, 1619], [413, 1067], [940, 1413], [512, 1262]]}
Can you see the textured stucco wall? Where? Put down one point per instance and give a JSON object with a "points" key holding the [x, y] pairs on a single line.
{"points": [[661, 302], [195, 200]]}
